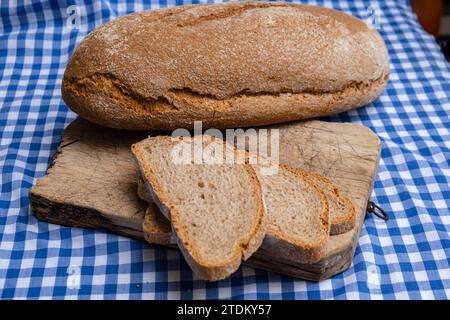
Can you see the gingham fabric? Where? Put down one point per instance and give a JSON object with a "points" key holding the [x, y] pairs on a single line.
{"points": [[406, 258]]}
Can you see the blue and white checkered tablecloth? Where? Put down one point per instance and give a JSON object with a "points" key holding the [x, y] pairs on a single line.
{"points": [[406, 258]]}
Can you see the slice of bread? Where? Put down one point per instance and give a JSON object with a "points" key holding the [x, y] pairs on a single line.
{"points": [[216, 210], [156, 227], [297, 215], [142, 192], [342, 209]]}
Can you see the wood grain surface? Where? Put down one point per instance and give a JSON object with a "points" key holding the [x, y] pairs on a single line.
{"points": [[91, 182]]}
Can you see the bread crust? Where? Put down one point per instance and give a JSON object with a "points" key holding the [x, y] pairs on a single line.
{"points": [[204, 269], [233, 64]]}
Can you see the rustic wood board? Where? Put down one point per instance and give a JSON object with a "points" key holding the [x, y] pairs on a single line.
{"points": [[91, 182]]}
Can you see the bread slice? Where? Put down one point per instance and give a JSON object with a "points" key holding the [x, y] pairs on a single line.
{"points": [[297, 216], [342, 209], [216, 210], [142, 191], [156, 227]]}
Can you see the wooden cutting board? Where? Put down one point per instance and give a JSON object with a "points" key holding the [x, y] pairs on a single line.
{"points": [[91, 182]]}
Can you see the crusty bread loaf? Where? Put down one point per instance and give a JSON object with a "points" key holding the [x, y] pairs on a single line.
{"points": [[228, 65], [216, 210]]}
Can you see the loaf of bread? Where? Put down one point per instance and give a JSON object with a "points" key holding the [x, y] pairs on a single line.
{"points": [[228, 65]]}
